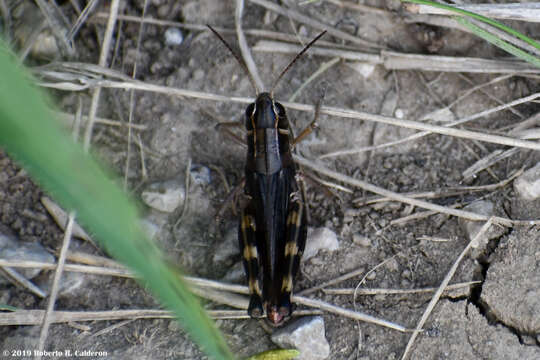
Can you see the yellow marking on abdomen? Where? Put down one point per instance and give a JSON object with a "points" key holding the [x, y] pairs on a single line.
{"points": [[250, 252], [254, 287], [291, 249], [292, 218], [286, 285]]}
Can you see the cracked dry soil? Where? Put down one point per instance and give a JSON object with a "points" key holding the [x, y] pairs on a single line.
{"points": [[497, 319]]}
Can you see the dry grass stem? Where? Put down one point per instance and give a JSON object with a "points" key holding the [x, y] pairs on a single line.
{"points": [[230, 299], [269, 46], [466, 119], [487, 161], [466, 134], [105, 49], [315, 23], [534, 120], [144, 172], [61, 218], [113, 327], [400, 61], [83, 17], [273, 35], [507, 37], [35, 317], [415, 217], [355, 315], [453, 191], [56, 283], [244, 48], [18, 279], [434, 239], [365, 291], [480, 88], [363, 280], [443, 286], [345, 113], [89, 259], [395, 196], [349, 275], [95, 270], [132, 99], [222, 297], [518, 11], [325, 66], [58, 24], [360, 8]]}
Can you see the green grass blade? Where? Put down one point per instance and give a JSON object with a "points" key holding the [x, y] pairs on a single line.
{"points": [[30, 134], [486, 35], [487, 20]]}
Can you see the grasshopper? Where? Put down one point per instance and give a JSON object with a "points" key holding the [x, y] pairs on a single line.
{"points": [[273, 227]]}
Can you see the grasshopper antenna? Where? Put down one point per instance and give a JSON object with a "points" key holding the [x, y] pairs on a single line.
{"points": [[294, 60], [240, 62]]}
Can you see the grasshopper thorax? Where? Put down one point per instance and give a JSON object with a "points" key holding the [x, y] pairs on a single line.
{"points": [[265, 113]]}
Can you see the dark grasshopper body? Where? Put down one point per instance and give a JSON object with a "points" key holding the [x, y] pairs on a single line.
{"points": [[272, 231]]}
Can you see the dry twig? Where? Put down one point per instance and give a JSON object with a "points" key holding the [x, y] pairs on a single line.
{"points": [[56, 284], [443, 286]]}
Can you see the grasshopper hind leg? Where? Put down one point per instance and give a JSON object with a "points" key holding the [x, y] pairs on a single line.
{"points": [[250, 258], [294, 248]]}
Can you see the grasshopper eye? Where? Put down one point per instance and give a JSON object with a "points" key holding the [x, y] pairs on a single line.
{"points": [[250, 112], [280, 110]]}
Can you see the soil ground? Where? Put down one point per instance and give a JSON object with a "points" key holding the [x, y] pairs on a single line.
{"points": [[495, 319]]}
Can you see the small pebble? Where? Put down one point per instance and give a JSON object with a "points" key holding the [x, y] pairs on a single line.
{"points": [[392, 265], [399, 114], [471, 228], [361, 240], [406, 274], [173, 36], [164, 196], [198, 75], [26, 252], [270, 17], [363, 68], [527, 185], [200, 174], [307, 335], [371, 276], [320, 239]]}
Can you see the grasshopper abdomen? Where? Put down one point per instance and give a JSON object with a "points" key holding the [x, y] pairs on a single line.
{"points": [[273, 227]]}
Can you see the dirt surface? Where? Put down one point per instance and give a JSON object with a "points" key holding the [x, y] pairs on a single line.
{"points": [[494, 319]]}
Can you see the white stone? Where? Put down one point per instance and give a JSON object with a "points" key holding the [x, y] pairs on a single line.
{"points": [[26, 252], [320, 239], [527, 185], [173, 36], [472, 228], [164, 196], [364, 69], [307, 336]]}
